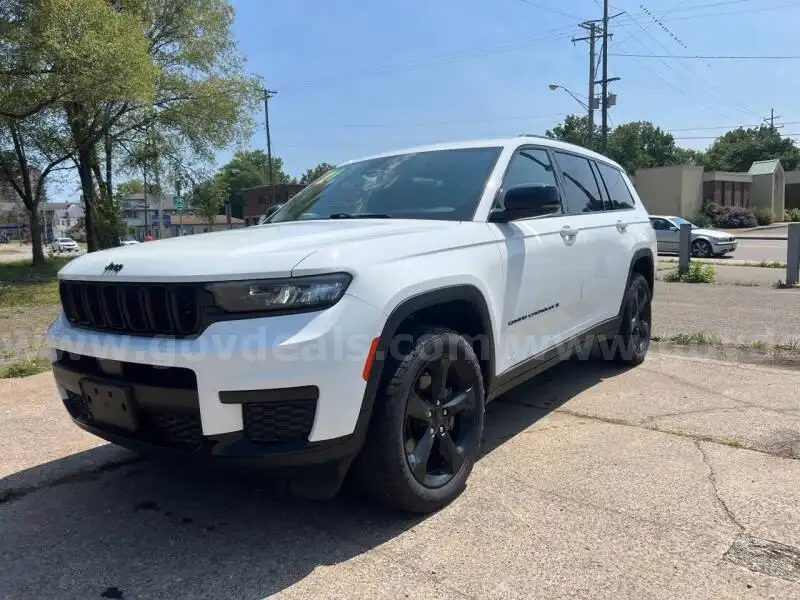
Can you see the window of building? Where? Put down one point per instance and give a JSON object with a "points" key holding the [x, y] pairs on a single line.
{"points": [[727, 194], [737, 194], [621, 197], [580, 186]]}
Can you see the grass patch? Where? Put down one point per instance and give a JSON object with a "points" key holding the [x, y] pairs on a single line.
{"points": [[759, 346], [745, 283], [699, 338], [732, 443], [697, 273], [770, 264], [789, 347], [14, 295], [25, 271], [25, 368]]}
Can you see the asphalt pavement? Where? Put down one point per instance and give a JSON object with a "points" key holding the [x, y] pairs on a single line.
{"points": [[759, 250], [671, 480]]}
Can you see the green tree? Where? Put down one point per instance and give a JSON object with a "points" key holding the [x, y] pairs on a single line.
{"points": [[642, 145], [317, 172], [248, 169], [51, 52], [208, 199], [574, 130], [203, 100], [738, 149]]}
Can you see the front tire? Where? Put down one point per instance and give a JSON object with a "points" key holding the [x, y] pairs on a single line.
{"points": [[633, 339], [427, 425], [702, 249]]}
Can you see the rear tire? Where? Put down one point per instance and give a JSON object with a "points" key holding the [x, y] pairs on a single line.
{"points": [[427, 425], [633, 339]]}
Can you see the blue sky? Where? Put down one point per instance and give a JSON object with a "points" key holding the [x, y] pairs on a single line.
{"points": [[356, 78]]}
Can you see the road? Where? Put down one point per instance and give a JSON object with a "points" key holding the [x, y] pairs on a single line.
{"points": [[754, 250], [660, 482], [758, 250]]}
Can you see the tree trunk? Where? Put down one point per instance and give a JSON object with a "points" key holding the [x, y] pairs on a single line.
{"points": [[36, 237], [89, 201]]}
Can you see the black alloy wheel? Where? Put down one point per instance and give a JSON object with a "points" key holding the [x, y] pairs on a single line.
{"points": [[441, 421]]}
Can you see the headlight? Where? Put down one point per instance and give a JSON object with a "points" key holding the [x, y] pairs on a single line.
{"points": [[295, 293]]}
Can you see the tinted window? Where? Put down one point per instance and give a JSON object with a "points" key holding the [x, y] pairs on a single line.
{"points": [[529, 166], [659, 224], [603, 192], [617, 188], [440, 184], [580, 186]]}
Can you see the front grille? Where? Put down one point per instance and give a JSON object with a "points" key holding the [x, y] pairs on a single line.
{"points": [[170, 427], [279, 422], [139, 309]]}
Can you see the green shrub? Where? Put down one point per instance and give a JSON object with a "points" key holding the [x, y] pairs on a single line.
{"points": [[702, 220], [794, 215], [764, 216], [698, 273], [734, 217]]}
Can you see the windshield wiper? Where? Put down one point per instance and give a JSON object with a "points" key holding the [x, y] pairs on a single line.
{"points": [[359, 216]]}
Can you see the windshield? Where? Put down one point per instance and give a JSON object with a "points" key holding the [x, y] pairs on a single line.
{"points": [[681, 221], [439, 184], [65, 240]]}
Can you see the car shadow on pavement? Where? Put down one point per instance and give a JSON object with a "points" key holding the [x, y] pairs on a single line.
{"points": [[133, 528]]}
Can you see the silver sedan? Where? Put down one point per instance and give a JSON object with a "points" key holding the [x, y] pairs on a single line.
{"points": [[705, 242]]}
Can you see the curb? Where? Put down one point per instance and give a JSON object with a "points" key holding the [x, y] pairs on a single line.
{"points": [[723, 263], [762, 237], [729, 353]]}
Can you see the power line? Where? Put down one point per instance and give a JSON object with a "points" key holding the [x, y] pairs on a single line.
{"points": [[549, 9], [710, 57], [445, 59], [694, 75], [722, 14]]}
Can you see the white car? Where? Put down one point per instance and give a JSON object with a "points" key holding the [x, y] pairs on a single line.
{"points": [[705, 242], [366, 326], [65, 244]]}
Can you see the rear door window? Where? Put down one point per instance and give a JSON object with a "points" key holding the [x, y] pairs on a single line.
{"points": [[580, 186], [620, 194]]}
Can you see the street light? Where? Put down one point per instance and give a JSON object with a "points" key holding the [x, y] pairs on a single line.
{"points": [[555, 86]]}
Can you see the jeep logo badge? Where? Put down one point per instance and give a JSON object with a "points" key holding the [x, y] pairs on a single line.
{"points": [[112, 268]]}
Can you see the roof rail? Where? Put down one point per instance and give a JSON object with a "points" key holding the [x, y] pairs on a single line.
{"points": [[532, 135]]}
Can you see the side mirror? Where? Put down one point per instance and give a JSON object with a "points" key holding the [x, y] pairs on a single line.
{"points": [[673, 228], [526, 201]]}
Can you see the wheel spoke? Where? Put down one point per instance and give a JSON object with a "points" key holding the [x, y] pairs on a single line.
{"points": [[641, 301], [452, 454], [459, 402], [418, 459], [439, 371], [418, 408]]}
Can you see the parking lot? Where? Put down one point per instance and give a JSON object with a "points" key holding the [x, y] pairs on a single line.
{"points": [[672, 480]]}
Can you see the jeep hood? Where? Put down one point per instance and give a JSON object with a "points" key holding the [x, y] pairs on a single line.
{"points": [[270, 250]]}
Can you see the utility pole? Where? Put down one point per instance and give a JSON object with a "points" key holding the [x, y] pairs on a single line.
{"points": [[604, 82], [591, 26], [267, 95], [771, 119]]}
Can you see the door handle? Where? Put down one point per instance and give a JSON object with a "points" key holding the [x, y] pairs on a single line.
{"points": [[568, 233], [621, 227]]}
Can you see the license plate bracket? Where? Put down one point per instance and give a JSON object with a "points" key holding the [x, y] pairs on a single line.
{"points": [[110, 404]]}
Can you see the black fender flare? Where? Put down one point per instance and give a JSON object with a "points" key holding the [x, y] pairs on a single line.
{"points": [[639, 254], [403, 311]]}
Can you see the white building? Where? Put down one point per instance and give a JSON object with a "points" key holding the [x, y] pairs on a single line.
{"points": [[160, 215]]}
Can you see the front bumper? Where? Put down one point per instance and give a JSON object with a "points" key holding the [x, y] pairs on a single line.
{"points": [[286, 389], [724, 247]]}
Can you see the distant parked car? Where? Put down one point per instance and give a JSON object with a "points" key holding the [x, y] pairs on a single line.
{"points": [[128, 242], [705, 242], [65, 244]]}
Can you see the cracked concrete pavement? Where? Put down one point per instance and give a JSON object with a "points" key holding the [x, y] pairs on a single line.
{"points": [[671, 480]]}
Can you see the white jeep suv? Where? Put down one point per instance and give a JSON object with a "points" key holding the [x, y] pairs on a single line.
{"points": [[365, 326]]}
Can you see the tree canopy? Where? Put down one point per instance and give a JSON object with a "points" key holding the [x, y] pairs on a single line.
{"points": [[641, 145], [738, 149]]}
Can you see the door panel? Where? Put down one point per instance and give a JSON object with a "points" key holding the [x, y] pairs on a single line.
{"points": [[542, 286], [542, 278]]}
